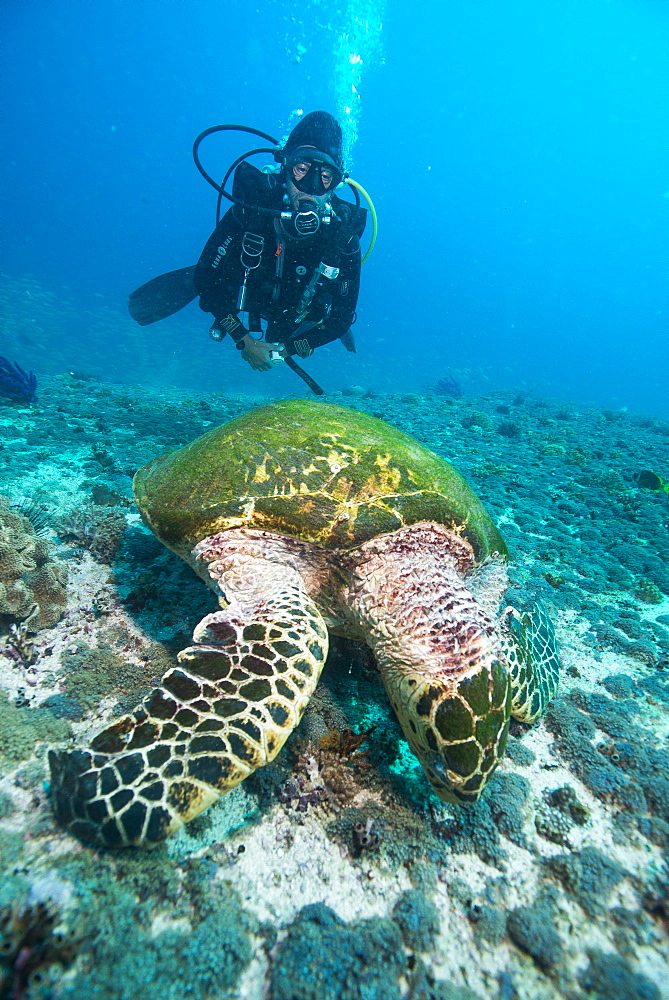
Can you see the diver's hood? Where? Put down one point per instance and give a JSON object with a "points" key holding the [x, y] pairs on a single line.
{"points": [[319, 132]]}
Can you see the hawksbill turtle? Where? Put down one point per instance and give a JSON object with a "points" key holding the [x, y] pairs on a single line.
{"points": [[307, 518]]}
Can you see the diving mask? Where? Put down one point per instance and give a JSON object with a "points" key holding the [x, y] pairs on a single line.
{"points": [[312, 171]]}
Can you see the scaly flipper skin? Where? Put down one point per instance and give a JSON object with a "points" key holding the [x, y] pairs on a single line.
{"points": [[534, 663], [227, 709], [438, 652]]}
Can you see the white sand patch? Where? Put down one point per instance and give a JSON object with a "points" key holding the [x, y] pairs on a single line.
{"points": [[252, 984], [55, 481], [286, 866]]}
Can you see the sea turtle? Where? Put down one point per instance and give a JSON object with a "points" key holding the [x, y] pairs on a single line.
{"points": [[305, 517]]}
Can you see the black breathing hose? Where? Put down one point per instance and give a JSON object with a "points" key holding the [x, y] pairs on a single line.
{"points": [[226, 128]]}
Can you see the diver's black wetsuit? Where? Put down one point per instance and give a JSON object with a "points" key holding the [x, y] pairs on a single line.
{"points": [[287, 268]]}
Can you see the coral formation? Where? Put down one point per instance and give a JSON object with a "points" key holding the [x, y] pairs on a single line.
{"points": [[448, 385], [98, 531], [16, 384], [99, 919], [589, 877], [35, 949], [417, 918], [20, 646], [323, 958], [365, 838], [533, 930], [648, 592], [631, 768], [558, 813], [610, 977], [32, 587], [500, 812], [91, 674], [334, 770], [21, 729], [478, 419], [489, 924], [206, 962]]}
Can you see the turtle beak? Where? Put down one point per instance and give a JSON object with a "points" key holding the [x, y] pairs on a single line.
{"points": [[458, 730], [448, 786]]}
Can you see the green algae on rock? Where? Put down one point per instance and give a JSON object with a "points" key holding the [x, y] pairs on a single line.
{"points": [[22, 728]]}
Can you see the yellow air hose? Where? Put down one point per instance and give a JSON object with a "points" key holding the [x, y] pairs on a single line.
{"points": [[375, 224]]}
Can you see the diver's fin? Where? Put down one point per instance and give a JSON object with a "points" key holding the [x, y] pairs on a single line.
{"points": [[163, 296], [348, 341]]}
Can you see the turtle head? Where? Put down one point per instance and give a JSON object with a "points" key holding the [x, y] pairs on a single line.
{"points": [[427, 608], [457, 727]]}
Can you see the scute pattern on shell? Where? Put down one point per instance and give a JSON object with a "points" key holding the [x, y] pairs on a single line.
{"points": [[323, 473]]}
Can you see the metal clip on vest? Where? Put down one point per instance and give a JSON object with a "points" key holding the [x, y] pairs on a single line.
{"points": [[252, 248]]}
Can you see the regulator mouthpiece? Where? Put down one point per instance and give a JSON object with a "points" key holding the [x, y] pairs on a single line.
{"points": [[307, 222]]}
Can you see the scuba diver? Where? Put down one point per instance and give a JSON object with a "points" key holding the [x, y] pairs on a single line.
{"points": [[281, 272]]}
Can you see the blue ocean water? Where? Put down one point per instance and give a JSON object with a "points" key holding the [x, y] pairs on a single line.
{"points": [[516, 155], [515, 152]]}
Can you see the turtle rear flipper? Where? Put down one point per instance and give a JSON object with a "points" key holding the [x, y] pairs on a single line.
{"points": [[225, 710], [533, 660]]}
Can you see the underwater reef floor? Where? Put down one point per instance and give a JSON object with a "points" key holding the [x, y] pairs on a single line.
{"points": [[335, 872]]}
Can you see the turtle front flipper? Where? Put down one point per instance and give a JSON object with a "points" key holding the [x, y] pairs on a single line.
{"points": [[225, 710], [533, 661]]}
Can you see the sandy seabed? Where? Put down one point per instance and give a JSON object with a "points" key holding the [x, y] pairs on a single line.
{"points": [[553, 886]]}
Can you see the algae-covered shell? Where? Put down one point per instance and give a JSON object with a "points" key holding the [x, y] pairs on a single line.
{"points": [[323, 473]]}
